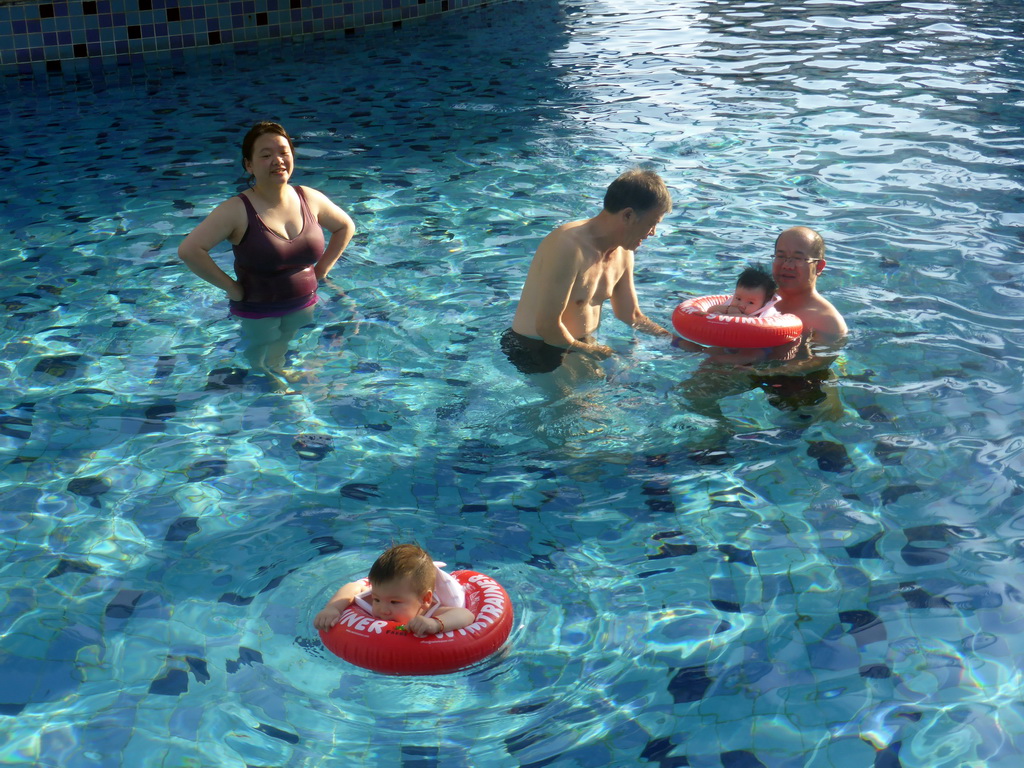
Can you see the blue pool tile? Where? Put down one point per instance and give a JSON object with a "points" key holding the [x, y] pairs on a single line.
{"points": [[865, 627], [889, 756], [669, 549], [66, 644], [893, 493], [853, 579], [361, 491], [186, 721], [832, 656], [875, 671], [277, 733], [741, 759], [233, 598], [128, 603], [198, 668], [656, 752], [927, 545], [420, 757], [774, 587], [181, 529], [123, 604], [689, 684], [727, 606], [107, 734], [831, 457], [62, 366], [313, 447], [204, 469], [173, 683], [736, 555], [867, 549], [70, 566], [649, 574], [919, 598], [16, 425], [246, 657], [327, 545], [34, 681]]}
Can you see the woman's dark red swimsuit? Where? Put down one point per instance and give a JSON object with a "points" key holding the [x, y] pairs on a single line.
{"points": [[276, 274]]}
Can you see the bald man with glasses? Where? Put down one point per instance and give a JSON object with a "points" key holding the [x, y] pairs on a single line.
{"points": [[791, 374], [799, 259]]}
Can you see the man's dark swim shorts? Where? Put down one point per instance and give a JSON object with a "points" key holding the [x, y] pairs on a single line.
{"points": [[531, 355], [789, 393]]}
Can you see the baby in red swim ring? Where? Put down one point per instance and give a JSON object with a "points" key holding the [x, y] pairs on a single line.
{"points": [[406, 587], [754, 295]]}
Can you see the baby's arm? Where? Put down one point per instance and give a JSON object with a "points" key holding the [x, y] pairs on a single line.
{"points": [[342, 599], [724, 309], [450, 619]]}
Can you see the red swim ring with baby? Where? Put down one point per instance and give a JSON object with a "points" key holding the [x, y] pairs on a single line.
{"points": [[734, 331], [381, 646]]}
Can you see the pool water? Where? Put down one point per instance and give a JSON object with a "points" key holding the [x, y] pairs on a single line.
{"points": [[835, 586]]}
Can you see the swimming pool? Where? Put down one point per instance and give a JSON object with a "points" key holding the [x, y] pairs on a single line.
{"points": [[811, 589]]}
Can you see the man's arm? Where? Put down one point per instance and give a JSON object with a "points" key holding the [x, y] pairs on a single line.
{"points": [[823, 320], [721, 355], [829, 329], [626, 306], [823, 337], [792, 359]]}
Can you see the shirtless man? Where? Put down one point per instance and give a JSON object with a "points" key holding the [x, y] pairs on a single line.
{"points": [[794, 373], [577, 268], [799, 259]]}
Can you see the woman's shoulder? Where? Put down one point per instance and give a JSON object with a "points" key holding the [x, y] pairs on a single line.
{"points": [[232, 204], [313, 196], [230, 212]]}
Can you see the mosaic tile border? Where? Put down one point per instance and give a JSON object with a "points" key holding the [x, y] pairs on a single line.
{"points": [[54, 37]]}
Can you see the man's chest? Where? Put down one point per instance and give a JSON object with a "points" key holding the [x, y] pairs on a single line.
{"points": [[596, 283]]}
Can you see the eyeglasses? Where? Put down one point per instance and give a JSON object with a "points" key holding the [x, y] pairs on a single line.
{"points": [[794, 259]]}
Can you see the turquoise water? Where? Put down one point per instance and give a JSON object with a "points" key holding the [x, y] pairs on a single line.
{"points": [[836, 586]]}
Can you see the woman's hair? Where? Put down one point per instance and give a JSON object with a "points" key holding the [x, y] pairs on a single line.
{"points": [[640, 189], [405, 561], [756, 276], [262, 127]]}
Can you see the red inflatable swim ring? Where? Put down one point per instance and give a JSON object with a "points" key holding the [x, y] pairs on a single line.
{"points": [[381, 646], [735, 331]]}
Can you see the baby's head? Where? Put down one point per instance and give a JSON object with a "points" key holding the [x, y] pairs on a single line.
{"points": [[402, 583], [754, 289]]}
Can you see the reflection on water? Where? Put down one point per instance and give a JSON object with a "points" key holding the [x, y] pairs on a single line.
{"points": [[748, 584]]}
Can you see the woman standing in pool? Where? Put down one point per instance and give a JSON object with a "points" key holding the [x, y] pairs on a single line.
{"points": [[276, 233]]}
